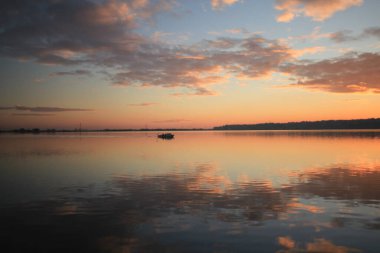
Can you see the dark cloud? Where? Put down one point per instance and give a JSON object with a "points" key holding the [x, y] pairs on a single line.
{"points": [[79, 72], [222, 43], [351, 73], [32, 114], [71, 31], [103, 33], [342, 36], [347, 35], [203, 64], [372, 31], [44, 109]]}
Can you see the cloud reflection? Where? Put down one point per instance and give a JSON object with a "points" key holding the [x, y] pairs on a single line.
{"points": [[318, 245], [140, 213], [343, 182]]}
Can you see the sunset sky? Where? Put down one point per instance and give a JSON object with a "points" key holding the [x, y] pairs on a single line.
{"points": [[185, 64]]}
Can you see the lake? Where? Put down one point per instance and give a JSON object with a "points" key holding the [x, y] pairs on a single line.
{"points": [[208, 191]]}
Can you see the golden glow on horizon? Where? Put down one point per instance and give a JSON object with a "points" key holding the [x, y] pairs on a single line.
{"points": [[226, 71], [217, 169]]}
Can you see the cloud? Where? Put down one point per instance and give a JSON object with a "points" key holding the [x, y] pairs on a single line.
{"points": [[198, 92], [33, 114], [347, 35], [102, 34], [339, 36], [73, 32], [79, 72], [197, 67], [220, 4], [44, 109], [318, 10], [351, 73], [237, 31], [342, 36], [314, 35], [372, 31], [143, 104], [307, 50]]}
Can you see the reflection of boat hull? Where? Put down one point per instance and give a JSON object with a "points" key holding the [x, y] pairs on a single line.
{"points": [[166, 136]]}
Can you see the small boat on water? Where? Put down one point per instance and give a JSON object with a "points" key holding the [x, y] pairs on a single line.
{"points": [[166, 136]]}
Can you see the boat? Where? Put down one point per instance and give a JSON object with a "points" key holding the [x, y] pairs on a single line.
{"points": [[166, 136]]}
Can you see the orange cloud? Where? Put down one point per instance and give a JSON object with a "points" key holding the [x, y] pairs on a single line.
{"points": [[350, 73], [308, 50], [220, 4], [102, 34], [111, 12], [285, 17], [198, 67], [318, 10]]}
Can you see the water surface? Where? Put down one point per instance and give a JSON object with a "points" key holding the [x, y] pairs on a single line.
{"points": [[233, 191]]}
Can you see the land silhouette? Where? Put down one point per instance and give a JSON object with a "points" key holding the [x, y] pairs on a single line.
{"points": [[372, 123]]}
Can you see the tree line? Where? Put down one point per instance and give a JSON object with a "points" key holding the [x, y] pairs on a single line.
{"points": [[373, 123]]}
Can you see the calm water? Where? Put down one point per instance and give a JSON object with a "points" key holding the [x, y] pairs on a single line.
{"points": [[201, 192]]}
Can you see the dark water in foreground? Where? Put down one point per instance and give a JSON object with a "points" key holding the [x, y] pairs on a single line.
{"points": [[201, 192]]}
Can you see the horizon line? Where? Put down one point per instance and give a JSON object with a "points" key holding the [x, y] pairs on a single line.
{"points": [[50, 129]]}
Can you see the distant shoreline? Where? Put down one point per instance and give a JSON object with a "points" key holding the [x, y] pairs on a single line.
{"points": [[52, 131], [356, 124]]}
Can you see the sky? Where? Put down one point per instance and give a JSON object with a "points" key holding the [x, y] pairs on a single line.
{"points": [[187, 64]]}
